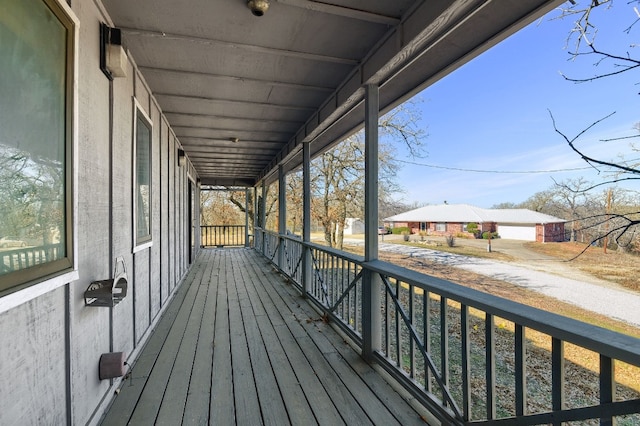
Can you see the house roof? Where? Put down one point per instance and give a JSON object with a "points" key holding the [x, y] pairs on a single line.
{"points": [[468, 213]]}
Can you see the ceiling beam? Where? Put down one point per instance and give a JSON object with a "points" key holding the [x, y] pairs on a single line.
{"points": [[229, 117], [140, 32], [242, 144], [235, 102], [232, 78], [361, 15]]}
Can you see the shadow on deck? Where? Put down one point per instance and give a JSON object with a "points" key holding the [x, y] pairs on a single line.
{"points": [[238, 345]]}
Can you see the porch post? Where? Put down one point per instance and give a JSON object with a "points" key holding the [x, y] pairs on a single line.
{"points": [[246, 217], [371, 314], [263, 216], [307, 261], [282, 214]]}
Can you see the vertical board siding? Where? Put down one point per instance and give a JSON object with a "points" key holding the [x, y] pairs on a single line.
{"points": [[32, 370], [164, 211], [49, 365], [122, 205], [155, 285], [90, 327], [141, 284], [172, 213]]}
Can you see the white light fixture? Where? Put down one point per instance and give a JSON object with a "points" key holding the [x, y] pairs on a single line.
{"points": [[182, 158], [258, 7]]}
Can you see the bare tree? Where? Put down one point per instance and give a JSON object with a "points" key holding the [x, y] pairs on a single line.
{"points": [[338, 174], [616, 222]]}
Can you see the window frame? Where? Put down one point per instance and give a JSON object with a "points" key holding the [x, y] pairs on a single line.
{"points": [[441, 225], [146, 241], [22, 285]]}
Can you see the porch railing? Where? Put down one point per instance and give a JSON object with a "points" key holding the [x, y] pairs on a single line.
{"points": [[467, 356], [223, 235]]}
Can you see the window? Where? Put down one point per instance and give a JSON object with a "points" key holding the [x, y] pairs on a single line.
{"points": [[36, 113], [142, 178], [441, 227], [464, 227], [423, 226]]}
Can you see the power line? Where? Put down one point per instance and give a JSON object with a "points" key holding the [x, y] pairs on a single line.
{"points": [[458, 169]]}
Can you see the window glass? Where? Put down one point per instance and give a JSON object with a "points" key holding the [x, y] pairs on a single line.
{"points": [[441, 227], [35, 117], [143, 179]]}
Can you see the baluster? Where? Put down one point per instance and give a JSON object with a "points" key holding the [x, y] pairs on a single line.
{"points": [[607, 387], [444, 343], [466, 361], [490, 352], [521, 370], [427, 337], [557, 376], [412, 351]]}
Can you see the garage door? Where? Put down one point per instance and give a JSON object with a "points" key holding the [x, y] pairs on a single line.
{"points": [[517, 232]]}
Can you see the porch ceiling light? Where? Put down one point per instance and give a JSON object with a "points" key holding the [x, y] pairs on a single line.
{"points": [[258, 7], [182, 158]]}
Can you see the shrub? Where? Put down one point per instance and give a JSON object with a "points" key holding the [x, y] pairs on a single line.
{"points": [[472, 227], [405, 235], [400, 230], [422, 235], [451, 240], [487, 234]]}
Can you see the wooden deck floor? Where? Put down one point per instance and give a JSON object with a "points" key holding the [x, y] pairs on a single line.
{"points": [[239, 346]]}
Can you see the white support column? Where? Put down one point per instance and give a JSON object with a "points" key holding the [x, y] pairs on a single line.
{"points": [[282, 214], [371, 315], [307, 261]]}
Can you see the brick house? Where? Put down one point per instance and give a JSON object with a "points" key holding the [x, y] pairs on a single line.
{"points": [[453, 219]]}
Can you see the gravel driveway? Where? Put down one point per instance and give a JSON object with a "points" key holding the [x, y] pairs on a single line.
{"points": [[586, 292]]}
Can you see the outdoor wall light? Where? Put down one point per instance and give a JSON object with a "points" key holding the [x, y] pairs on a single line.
{"points": [[182, 159], [258, 7], [113, 59]]}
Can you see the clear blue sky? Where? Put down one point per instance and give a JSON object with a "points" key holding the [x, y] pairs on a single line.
{"points": [[493, 114]]}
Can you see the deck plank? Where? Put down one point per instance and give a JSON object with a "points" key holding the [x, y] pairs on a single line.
{"points": [[151, 399], [222, 403], [244, 387], [271, 404], [196, 410], [386, 398], [242, 347], [122, 409]]}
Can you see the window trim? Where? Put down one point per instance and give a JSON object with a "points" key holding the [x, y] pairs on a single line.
{"points": [[443, 224], [36, 281], [145, 242]]}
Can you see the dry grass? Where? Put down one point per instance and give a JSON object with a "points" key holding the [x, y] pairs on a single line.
{"points": [[619, 268], [461, 249]]}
